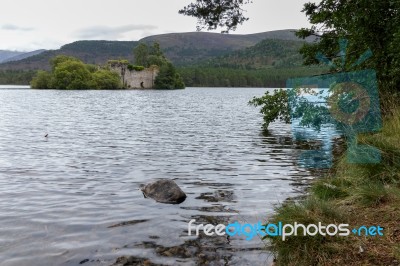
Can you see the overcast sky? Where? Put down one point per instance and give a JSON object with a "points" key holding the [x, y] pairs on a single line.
{"points": [[47, 24]]}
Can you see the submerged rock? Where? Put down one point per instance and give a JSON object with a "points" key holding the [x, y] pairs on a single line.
{"points": [[133, 261], [164, 191]]}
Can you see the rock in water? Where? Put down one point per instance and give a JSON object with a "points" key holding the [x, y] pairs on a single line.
{"points": [[164, 191]]}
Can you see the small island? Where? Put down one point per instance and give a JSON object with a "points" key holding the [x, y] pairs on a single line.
{"points": [[152, 70]]}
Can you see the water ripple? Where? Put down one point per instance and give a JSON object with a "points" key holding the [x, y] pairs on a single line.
{"points": [[73, 197]]}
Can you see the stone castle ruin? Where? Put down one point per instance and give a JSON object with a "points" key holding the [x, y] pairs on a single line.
{"points": [[134, 77]]}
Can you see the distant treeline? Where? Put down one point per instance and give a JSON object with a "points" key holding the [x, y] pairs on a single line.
{"points": [[206, 76], [16, 77], [228, 77]]}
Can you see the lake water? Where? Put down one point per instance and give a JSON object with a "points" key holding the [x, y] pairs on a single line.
{"points": [[73, 197]]}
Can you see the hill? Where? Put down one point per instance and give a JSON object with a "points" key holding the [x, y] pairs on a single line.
{"points": [[180, 48], [203, 59], [24, 55], [265, 54], [91, 52], [189, 48], [269, 63], [4, 55], [8, 56]]}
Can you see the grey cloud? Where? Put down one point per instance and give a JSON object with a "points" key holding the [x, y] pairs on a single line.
{"points": [[105, 32], [13, 27]]}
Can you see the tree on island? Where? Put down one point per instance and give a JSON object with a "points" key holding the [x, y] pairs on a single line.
{"points": [[69, 73], [147, 56], [168, 77]]}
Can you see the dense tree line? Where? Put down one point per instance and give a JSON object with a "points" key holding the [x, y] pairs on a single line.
{"points": [[203, 76], [16, 77], [269, 52], [228, 77]]}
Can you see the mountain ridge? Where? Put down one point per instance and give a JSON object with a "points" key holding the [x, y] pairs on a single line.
{"points": [[24, 55], [181, 48], [6, 54]]}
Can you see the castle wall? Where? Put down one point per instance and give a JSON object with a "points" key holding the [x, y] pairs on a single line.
{"points": [[138, 79]]}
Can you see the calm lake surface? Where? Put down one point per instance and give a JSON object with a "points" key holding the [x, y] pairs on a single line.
{"points": [[73, 197]]}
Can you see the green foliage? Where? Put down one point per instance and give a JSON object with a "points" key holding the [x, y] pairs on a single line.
{"points": [[372, 194], [155, 50], [168, 78], [366, 24], [311, 113], [300, 249], [204, 76], [17, 77], [55, 61], [293, 104], [267, 64], [69, 73], [122, 62], [91, 68], [141, 53], [135, 68], [202, 46], [280, 104], [360, 189], [149, 55], [332, 188], [42, 80], [105, 80], [108, 49], [274, 106], [265, 54], [212, 14], [155, 60]]}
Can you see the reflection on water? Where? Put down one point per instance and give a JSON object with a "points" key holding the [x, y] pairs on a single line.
{"points": [[73, 197], [320, 153]]}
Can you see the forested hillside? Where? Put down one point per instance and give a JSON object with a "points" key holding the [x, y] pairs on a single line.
{"points": [[180, 48], [265, 54], [231, 77], [190, 48], [204, 59], [267, 64]]}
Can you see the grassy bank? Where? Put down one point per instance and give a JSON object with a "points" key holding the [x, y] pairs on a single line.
{"points": [[354, 194]]}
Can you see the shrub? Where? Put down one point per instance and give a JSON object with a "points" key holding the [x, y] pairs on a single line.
{"points": [[135, 68], [42, 80], [69, 73]]}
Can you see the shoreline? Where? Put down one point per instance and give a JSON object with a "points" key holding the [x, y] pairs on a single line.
{"points": [[358, 195]]}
